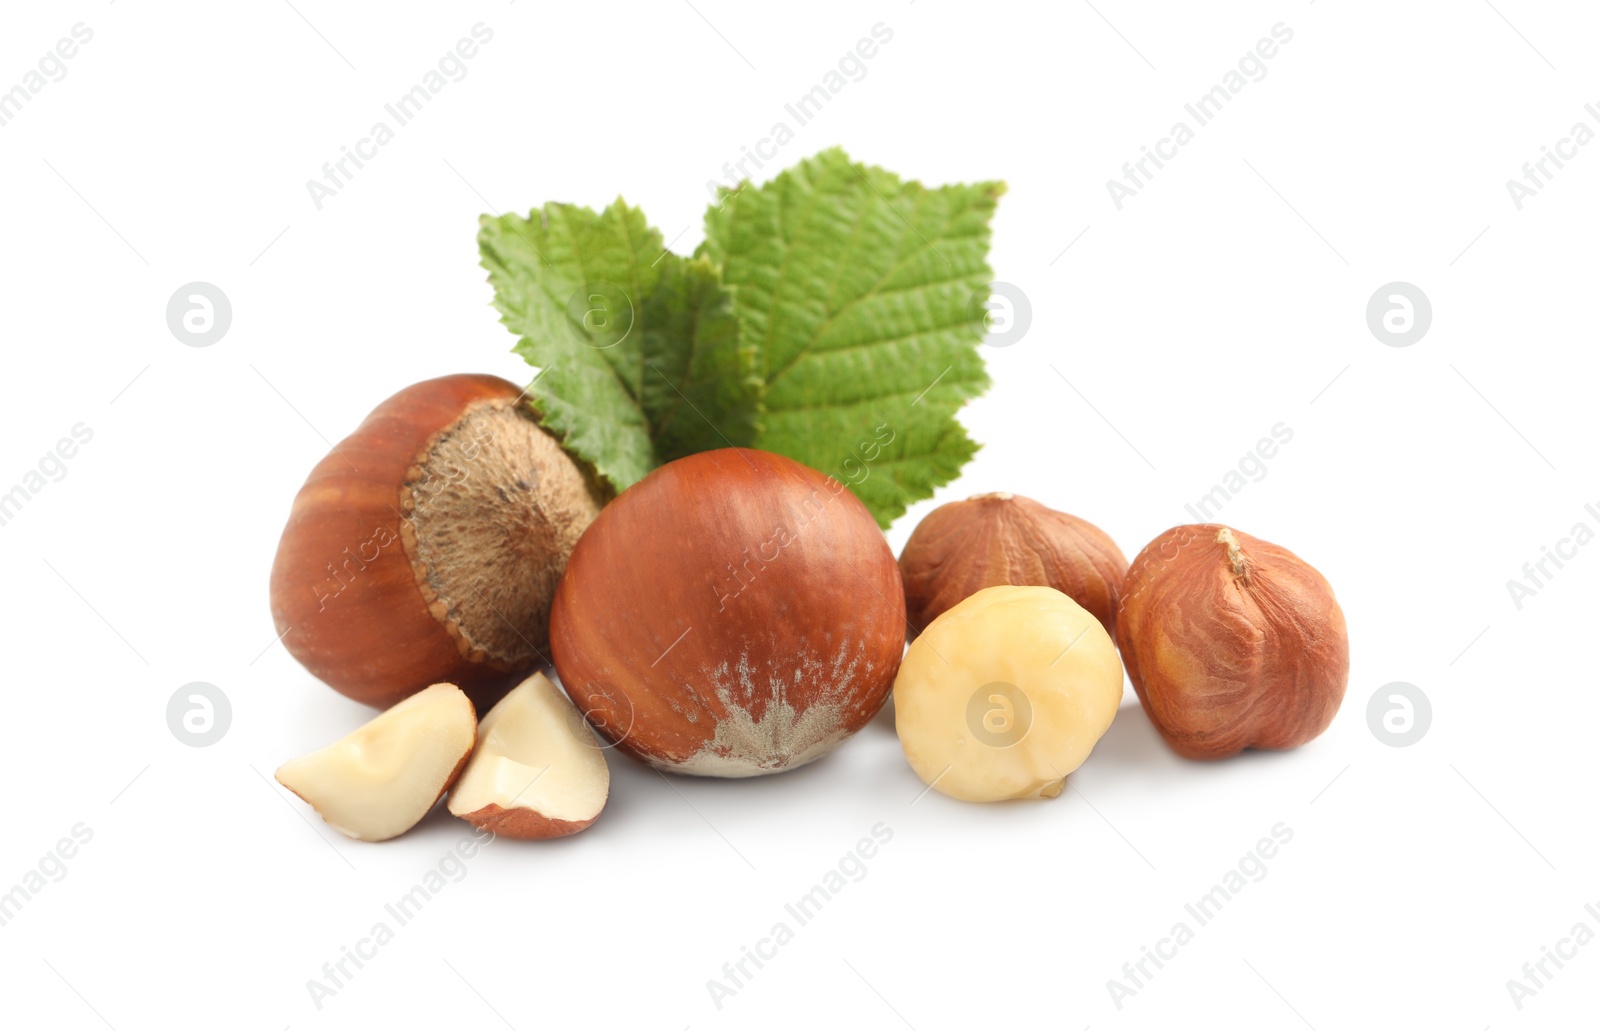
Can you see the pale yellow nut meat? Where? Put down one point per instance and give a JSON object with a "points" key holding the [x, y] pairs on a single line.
{"points": [[379, 780], [1006, 693], [538, 770]]}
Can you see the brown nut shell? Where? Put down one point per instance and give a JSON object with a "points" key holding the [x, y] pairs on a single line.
{"points": [[732, 614], [1231, 642], [999, 540]]}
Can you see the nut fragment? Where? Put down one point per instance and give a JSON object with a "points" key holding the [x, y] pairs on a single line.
{"points": [[379, 780], [997, 539], [538, 770], [1231, 642], [1005, 694]]}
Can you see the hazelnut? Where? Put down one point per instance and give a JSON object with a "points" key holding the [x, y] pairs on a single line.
{"points": [[1231, 642], [1005, 694], [427, 546], [995, 539], [733, 613]]}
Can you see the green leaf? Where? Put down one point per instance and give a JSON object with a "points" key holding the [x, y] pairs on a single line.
{"points": [[640, 353], [864, 296]]}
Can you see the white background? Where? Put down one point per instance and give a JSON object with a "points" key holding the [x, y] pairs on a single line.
{"points": [[1228, 296]]}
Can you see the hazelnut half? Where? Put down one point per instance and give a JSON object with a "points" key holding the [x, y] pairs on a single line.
{"points": [[426, 547], [538, 771], [996, 540], [378, 781], [1231, 642]]}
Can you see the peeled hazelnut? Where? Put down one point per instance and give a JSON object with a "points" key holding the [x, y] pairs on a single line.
{"points": [[1231, 642], [427, 546], [997, 539], [1005, 694], [734, 613], [378, 781]]}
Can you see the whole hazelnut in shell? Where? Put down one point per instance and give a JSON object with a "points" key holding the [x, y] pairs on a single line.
{"points": [[1231, 642], [997, 540], [426, 547], [733, 613]]}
